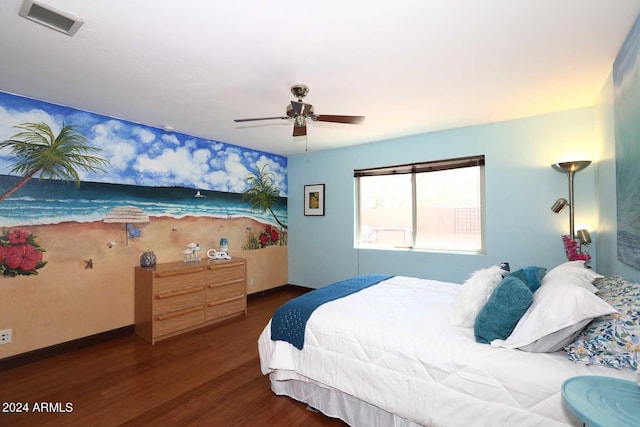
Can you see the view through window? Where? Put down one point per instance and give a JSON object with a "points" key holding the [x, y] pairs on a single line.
{"points": [[430, 205]]}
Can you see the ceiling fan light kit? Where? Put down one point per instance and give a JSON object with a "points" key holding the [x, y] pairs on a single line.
{"points": [[300, 111], [299, 91]]}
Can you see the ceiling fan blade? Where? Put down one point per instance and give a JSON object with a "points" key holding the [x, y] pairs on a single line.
{"points": [[339, 119], [299, 130], [260, 118]]}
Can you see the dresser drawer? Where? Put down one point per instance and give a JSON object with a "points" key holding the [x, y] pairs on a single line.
{"points": [[225, 273], [176, 299], [171, 280], [170, 322], [217, 293], [220, 310]]}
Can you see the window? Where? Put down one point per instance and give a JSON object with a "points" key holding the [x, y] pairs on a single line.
{"points": [[434, 205]]}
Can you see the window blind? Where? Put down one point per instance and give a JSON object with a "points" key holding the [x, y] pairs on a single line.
{"points": [[432, 166]]}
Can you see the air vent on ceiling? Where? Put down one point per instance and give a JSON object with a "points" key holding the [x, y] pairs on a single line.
{"points": [[50, 17]]}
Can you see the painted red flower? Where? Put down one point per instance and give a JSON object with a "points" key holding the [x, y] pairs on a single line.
{"points": [[264, 239], [17, 237], [3, 253], [25, 257]]}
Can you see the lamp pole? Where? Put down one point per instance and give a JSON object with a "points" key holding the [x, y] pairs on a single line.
{"points": [[570, 168]]}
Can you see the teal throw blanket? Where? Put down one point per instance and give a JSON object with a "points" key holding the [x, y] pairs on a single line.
{"points": [[290, 320]]}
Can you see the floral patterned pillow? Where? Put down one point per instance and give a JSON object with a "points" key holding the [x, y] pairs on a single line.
{"points": [[612, 340]]}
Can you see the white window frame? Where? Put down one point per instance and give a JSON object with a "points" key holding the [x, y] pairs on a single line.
{"points": [[413, 169]]}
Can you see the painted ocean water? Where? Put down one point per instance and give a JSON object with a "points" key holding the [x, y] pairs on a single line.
{"points": [[626, 81], [52, 202]]}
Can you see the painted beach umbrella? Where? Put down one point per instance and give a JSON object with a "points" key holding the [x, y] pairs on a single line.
{"points": [[127, 215]]}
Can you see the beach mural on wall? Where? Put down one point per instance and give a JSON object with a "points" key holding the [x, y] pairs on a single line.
{"points": [[626, 82], [166, 175], [68, 253]]}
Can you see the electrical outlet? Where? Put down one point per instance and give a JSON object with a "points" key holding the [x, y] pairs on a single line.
{"points": [[5, 336]]}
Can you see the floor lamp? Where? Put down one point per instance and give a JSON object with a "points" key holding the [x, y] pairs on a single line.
{"points": [[570, 168]]}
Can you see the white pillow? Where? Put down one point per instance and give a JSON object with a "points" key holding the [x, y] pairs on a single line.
{"points": [[557, 340], [558, 309], [475, 292], [573, 272]]}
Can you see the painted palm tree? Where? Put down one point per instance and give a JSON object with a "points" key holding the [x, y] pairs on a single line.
{"points": [[262, 193], [37, 150]]}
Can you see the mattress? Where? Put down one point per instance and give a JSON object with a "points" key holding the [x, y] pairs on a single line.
{"points": [[392, 347]]}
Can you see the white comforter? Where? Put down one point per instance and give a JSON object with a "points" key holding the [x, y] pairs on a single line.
{"points": [[391, 345]]}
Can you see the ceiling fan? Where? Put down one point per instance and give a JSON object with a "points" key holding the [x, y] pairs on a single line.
{"points": [[300, 111]]}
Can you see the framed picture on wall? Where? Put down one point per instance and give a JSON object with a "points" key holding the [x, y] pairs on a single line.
{"points": [[314, 200]]}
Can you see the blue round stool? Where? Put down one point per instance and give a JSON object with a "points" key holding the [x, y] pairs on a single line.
{"points": [[603, 401]]}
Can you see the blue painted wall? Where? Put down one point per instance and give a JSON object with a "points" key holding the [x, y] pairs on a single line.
{"points": [[520, 188]]}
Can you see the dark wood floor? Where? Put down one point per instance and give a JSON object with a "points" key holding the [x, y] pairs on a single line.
{"points": [[209, 377]]}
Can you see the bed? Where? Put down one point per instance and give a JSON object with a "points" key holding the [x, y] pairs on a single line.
{"points": [[390, 354]]}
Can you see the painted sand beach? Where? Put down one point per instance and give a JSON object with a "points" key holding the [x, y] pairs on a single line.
{"points": [[73, 300], [69, 245]]}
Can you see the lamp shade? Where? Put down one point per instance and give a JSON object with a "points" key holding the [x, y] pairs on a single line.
{"points": [[584, 236], [559, 205], [574, 166]]}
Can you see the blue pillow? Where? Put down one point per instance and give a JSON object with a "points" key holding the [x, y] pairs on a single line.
{"points": [[531, 276], [504, 308]]}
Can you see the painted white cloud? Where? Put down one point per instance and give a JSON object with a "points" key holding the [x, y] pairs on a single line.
{"points": [[217, 180], [143, 134], [189, 143], [106, 129], [178, 166], [119, 154], [117, 151], [237, 173], [231, 175], [217, 160], [9, 119], [170, 138]]}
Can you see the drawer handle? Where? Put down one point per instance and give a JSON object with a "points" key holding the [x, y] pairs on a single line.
{"points": [[179, 313], [225, 265], [224, 301], [180, 292], [228, 282], [179, 272]]}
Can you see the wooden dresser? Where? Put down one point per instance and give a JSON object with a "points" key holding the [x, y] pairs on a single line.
{"points": [[175, 297]]}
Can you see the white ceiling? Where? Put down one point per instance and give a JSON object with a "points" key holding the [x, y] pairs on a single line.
{"points": [[409, 66]]}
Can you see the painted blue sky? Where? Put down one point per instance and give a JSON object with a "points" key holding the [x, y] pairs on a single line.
{"points": [[144, 155]]}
